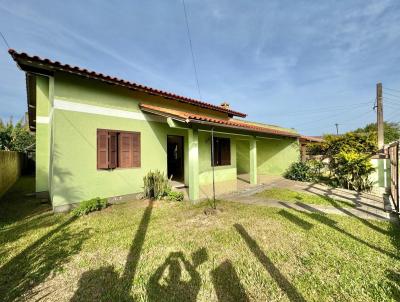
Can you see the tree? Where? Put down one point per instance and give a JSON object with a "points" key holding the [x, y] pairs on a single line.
{"points": [[391, 131], [349, 158], [15, 137]]}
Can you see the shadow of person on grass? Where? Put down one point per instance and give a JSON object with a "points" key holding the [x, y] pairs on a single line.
{"points": [[173, 287], [104, 284], [227, 284]]}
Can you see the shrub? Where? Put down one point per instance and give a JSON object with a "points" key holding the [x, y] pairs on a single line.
{"points": [[155, 185], [175, 196], [298, 171], [91, 205], [349, 159], [351, 170]]}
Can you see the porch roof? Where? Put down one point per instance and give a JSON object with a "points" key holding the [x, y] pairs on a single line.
{"points": [[188, 117]]}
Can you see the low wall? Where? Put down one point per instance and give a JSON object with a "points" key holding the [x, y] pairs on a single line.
{"points": [[381, 176], [10, 169]]}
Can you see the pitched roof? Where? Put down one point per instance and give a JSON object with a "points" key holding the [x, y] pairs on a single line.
{"points": [[198, 118], [24, 61]]}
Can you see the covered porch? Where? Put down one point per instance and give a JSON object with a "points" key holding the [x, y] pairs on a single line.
{"points": [[214, 139]]}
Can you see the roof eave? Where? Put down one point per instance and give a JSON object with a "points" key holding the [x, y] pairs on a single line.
{"points": [[194, 121], [37, 65]]}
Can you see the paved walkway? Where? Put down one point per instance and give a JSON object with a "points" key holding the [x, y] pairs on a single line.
{"points": [[367, 206]]}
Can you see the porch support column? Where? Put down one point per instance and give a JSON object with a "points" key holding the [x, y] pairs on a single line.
{"points": [[193, 140], [253, 161]]}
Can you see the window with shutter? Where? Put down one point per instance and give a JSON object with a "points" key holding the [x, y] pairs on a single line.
{"points": [[112, 150], [136, 150], [118, 149], [125, 150], [102, 149]]}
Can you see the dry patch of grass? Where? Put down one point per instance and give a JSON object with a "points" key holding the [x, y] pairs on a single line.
{"points": [[162, 251], [310, 198]]}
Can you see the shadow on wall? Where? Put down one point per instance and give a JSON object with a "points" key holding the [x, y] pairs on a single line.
{"points": [[38, 260], [62, 189], [243, 156]]}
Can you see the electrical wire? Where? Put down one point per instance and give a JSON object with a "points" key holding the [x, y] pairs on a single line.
{"points": [[392, 89], [335, 115], [191, 49], [393, 95], [319, 110], [5, 40]]}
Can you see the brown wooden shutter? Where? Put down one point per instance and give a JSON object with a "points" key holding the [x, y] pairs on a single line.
{"points": [[136, 150], [125, 150], [113, 150], [102, 149], [225, 145]]}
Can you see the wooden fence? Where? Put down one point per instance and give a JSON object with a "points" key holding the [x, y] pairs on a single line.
{"points": [[393, 151]]}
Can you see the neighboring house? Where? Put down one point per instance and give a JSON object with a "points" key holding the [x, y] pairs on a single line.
{"points": [[306, 140], [98, 135]]}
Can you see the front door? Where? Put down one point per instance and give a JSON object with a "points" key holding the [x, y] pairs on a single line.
{"points": [[175, 157]]}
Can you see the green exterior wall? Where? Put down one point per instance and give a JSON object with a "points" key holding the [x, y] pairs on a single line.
{"points": [[43, 110], [66, 146], [222, 173], [75, 174], [274, 156]]}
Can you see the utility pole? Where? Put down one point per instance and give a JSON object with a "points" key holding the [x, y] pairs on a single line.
{"points": [[337, 128], [379, 115]]}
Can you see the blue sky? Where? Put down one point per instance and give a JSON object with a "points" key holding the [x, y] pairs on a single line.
{"points": [[301, 64]]}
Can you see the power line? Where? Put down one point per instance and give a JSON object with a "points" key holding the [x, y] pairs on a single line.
{"points": [[392, 89], [389, 99], [191, 49], [358, 117], [318, 111], [394, 95], [335, 115], [5, 40]]}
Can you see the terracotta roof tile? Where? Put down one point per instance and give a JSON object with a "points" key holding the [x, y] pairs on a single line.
{"points": [[193, 117], [17, 56]]}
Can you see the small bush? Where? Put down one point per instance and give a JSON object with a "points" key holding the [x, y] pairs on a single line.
{"points": [[175, 196], [91, 205], [156, 185], [299, 171]]}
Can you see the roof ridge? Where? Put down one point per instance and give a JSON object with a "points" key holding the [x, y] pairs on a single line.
{"points": [[97, 75]]}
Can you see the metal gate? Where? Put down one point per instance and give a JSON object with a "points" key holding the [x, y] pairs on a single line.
{"points": [[394, 171]]}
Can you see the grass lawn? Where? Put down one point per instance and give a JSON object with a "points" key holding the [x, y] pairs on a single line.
{"points": [[162, 251], [291, 195]]}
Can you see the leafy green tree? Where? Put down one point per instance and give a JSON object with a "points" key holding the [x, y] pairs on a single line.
{"points": [[391, 131], [6, 130], [15, 137], [348, 157]]}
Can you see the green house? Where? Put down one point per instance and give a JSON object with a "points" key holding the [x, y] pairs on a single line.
{"points": [[98, 135]]}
